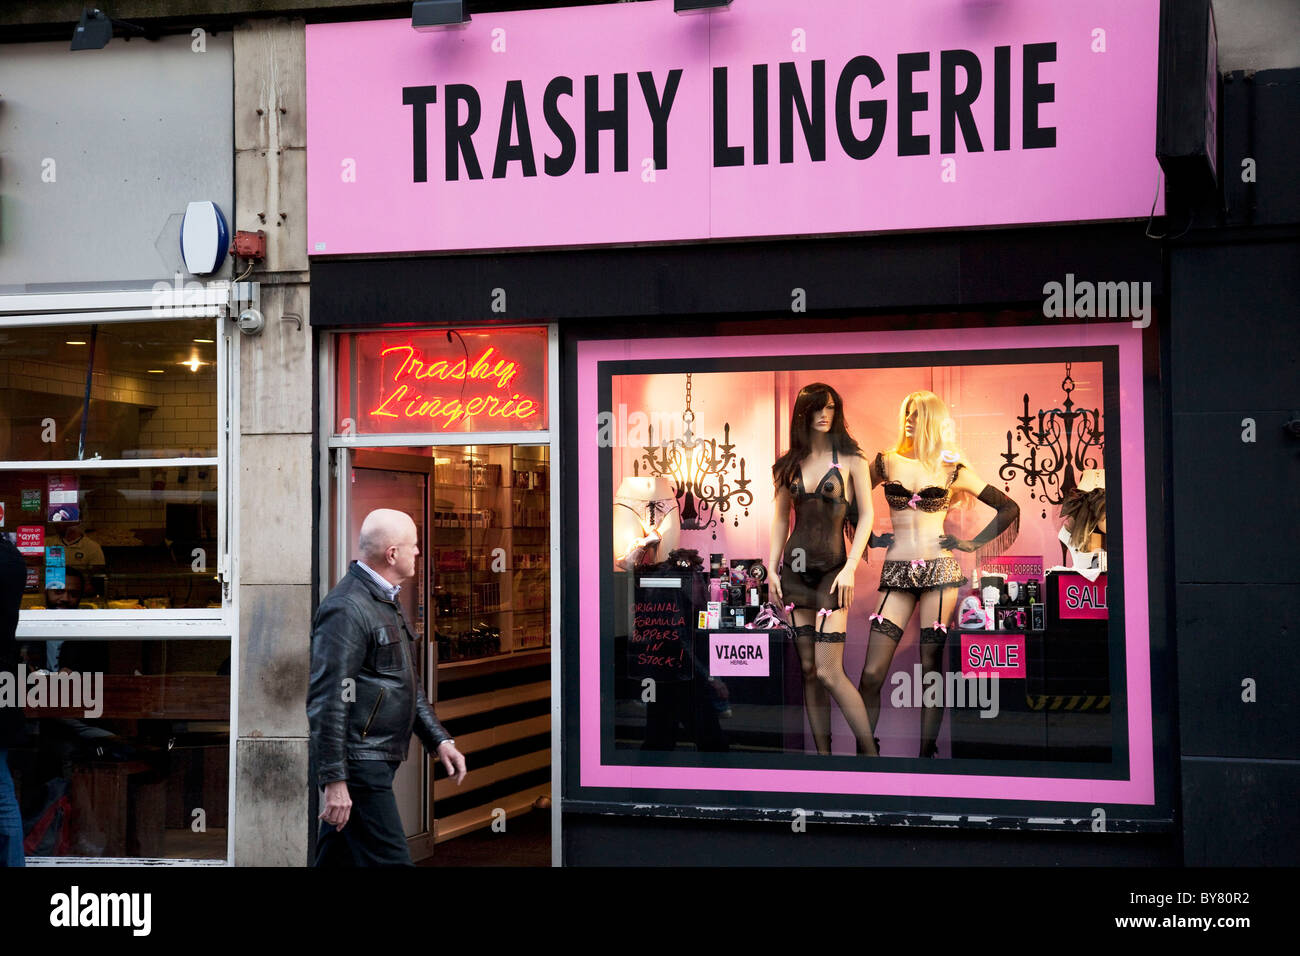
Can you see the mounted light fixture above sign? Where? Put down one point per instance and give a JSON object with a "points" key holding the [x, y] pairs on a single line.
{"points": [[699, 6], [205, 238], [95, 29], [438, 14]]}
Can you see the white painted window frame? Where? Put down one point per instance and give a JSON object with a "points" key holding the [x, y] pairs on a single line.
{"points": [[218, 302]]}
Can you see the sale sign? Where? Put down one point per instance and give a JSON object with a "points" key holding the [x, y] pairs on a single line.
{"points": [[986, 654], [1081, 599]]}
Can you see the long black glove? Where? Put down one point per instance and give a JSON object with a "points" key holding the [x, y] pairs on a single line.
{"points": [[885, 540], [1001, 531]]}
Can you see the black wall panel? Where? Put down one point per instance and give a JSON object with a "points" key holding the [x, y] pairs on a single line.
{"points": [[1240, 812], [1227, 633]]}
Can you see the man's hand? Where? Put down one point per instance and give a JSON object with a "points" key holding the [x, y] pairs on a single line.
{"points": [[338, 804], [453, 761]]}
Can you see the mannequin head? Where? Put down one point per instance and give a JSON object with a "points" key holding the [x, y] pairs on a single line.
{"points": [[921, 420], [818, 410]]}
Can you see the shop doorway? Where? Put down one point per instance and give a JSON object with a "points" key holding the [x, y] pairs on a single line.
{"points": [[480, 603]]}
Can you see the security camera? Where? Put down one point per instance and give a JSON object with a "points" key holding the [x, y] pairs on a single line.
{"points": [[251, 321]]}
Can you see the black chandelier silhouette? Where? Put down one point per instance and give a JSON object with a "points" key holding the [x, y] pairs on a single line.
{"points": [[698, 467], [1065, 442]]}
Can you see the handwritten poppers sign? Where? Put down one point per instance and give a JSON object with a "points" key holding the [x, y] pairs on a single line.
{"points": [[660, 643], [443, 381], [622, 122]]}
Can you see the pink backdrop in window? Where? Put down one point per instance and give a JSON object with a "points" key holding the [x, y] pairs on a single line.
{"points": [[983, 402]]}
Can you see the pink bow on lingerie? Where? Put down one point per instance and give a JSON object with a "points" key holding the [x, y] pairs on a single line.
{"points": [[822, 612], [918, 563], [876, 617], [911, 502], [940, 627]]}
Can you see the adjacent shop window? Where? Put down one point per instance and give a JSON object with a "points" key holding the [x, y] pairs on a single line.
{"points": [[127, 748], [110, 483], [986, 636], [442, 381], [91, 401]]}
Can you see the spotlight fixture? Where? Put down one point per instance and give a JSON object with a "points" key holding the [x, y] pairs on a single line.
{"points": [[95, 29], [438, 14], [699, 6]]}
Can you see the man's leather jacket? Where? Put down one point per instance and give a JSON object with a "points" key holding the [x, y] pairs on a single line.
{"points": [[359, 633]]}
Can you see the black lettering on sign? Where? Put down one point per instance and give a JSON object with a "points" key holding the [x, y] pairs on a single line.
{"points": [[801, 94]]}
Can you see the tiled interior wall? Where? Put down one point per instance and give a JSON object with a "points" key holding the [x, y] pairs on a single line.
{"points": [[33, 376], [178, 419], [184, 424]]}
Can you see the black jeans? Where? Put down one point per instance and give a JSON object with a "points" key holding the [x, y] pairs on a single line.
{"points": [[373, 835]]}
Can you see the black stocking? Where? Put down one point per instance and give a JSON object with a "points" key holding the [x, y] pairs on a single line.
{"points": [[817, 701], [936, 609], [894, 607]]}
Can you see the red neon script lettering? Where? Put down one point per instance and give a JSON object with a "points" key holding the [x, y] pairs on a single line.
{"points": [[403, 402], [502, 372]]}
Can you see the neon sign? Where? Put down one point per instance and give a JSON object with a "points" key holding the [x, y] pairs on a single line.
{"points": [[416, 386]]}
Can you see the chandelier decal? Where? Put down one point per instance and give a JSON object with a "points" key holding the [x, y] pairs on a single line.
{"points": [[1065, 442], [698, 469]]}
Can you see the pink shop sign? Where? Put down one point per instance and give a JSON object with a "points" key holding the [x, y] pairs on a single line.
{"points": [[624, 123], [744, 654]]}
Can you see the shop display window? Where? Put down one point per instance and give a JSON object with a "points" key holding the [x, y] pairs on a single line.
{"points": [[995, 640]]}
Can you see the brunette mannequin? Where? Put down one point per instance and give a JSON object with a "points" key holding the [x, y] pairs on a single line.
{"points": [[922, 473], [820, 477]]}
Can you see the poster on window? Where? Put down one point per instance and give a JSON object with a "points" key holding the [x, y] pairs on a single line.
{"points": [[62, 499], [31, 540]]}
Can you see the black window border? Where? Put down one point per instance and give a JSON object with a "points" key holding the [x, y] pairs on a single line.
{"points": [[870, 808]]}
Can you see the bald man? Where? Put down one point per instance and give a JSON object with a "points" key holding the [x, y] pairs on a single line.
{"points": [[365, 698]]}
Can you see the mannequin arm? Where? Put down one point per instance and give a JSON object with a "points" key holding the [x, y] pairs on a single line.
{"points": [[1000, 533], [862, 535], [780, 531]]}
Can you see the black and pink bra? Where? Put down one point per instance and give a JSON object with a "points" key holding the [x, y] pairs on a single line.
{"points": [[930, 499]]}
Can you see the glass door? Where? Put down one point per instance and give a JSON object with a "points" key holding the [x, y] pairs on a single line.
{"points": [[376, 487], [481, 600]]}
